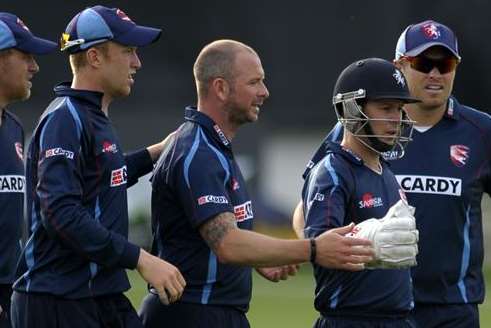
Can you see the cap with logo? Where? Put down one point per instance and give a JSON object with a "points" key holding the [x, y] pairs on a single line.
{"points": [[417, 38], [15, 34], [99, 24]]}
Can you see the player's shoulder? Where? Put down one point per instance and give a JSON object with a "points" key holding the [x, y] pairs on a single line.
{"points": [[337, 164], [473, 116], [14, 119], [194, 148]]}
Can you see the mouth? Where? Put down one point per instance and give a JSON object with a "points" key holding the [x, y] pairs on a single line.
{"points": [[257, 106], [434, 87], [131, 77]]}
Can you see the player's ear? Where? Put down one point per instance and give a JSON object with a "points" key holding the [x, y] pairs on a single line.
{"points": [[221, 88], [94, 57], [398, 64]]}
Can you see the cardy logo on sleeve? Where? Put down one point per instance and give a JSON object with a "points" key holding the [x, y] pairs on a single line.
{"points": [[243, 211], [425, 184], [212, 199], [119, 177], [58, 151]]}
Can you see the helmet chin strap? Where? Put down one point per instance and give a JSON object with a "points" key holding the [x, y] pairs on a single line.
{"points": [[373, 142]]}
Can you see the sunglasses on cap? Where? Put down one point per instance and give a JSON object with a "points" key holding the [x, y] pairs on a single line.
{"points": [[425, 65]]}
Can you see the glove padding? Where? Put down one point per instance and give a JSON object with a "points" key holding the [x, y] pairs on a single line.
{"points": [[394, 237]]}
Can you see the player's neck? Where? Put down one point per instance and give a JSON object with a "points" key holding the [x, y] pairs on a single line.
{"points": [[79, 82], [425, 115], [370, 157], [219, 117]]}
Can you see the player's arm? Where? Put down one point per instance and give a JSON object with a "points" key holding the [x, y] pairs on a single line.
{"points": [[298, 221], [141, 162], [243, 247]]}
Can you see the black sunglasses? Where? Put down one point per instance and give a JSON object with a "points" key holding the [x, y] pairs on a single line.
{"points": [[425, 65]]}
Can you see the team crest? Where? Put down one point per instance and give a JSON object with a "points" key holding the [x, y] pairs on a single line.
{"points": [[21, 23], [19, 150], [431, 31], [459, 154], [122, 15], [399, 78]]}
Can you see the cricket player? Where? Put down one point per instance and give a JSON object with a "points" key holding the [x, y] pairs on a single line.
{"points": [[72, 272], [352, 183], [202, 213], [445, 171], [17, 67]]}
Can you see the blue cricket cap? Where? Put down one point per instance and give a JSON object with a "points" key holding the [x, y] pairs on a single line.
{"points": [[418, 37], [15, 34], [99, 24]]}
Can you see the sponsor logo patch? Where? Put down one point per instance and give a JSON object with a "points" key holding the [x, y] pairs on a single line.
{"points": [[459, 154], [370, 201], [119, 177], [108, 147], [58, 152], [235, 184], [222, 136], [12, 183], [212, 199], [424, 184], [243, 211]]}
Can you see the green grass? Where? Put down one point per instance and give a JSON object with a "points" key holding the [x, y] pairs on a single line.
{"points": [[285, 304]]}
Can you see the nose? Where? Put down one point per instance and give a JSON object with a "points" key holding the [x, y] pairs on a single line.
{"points": [[264, 91], [136, 62], [33, 65], [434, 72]]}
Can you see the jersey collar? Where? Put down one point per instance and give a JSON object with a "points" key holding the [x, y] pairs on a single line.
{"points": [[191, 113], [93, 97], [453, 109]]}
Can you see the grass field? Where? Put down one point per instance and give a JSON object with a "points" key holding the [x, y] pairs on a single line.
{"points": [[285, 304]]}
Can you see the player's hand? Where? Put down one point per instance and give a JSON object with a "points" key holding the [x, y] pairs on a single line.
{"points": [[162, 276], [395, 237], [276, 274], [337, 251]]}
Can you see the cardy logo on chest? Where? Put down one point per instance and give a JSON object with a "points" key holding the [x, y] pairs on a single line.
{"points": [[430, 184]]}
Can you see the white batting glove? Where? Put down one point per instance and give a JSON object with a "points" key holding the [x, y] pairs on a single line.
{"points": [[394, 237]]}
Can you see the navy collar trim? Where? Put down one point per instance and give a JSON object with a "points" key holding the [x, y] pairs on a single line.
{"points": [[93, 97], [191, 113]]}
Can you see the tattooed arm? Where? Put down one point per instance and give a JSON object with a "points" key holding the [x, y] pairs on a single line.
{"points": [[243, 247], [237, 246]]}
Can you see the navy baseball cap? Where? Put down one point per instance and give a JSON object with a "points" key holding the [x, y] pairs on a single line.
{"points": [[15, 34], [99, 24], [418, 37]]}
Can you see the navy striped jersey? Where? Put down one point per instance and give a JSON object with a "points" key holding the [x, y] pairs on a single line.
{"points": [[11, 194], [195, 179], [445, 172], [339, 190], [76, 180]]}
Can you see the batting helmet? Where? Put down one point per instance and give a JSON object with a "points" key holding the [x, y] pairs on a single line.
{"points": [[365, 80]]}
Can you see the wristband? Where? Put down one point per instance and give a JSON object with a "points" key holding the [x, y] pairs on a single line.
{"points": [[313, 250]]}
